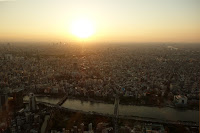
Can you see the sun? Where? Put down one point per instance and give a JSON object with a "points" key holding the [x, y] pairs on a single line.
{"points": [[82, 28]]}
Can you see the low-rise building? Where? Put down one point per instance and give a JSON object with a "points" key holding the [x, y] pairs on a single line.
{"points": [[180, 100]]}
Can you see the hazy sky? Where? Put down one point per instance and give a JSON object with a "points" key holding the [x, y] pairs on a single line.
{"points": [[115, 20]]}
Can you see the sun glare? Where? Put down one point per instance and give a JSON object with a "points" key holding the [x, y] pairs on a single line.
{"points": [[82, 28]]}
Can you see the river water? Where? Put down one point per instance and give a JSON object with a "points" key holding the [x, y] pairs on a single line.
{"points": [[164, 113]]}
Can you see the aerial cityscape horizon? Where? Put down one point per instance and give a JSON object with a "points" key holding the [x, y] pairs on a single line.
{"points": [[99, 66]]}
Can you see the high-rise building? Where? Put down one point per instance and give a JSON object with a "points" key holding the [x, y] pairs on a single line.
{"points": [[3, 101], [18, 98], [116, 109], [90, 128], [32, 102], [116, 112]]}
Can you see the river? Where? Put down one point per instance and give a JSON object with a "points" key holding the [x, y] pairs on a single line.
{"points": [[164, 113]]}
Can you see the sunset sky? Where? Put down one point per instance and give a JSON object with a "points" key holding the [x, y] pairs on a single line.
{"points": [[113, 20]]}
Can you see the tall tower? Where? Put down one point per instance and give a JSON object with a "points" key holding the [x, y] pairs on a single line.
{"points": [[116, 112], [116, 109], [32, 102]]}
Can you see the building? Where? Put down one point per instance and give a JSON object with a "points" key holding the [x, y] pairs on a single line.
{"points": [[116, 109], [3, 101], [154, 128], [90, 128], [32, 102], [180, 100], [116, 112], [18, 98], [8, 56]]}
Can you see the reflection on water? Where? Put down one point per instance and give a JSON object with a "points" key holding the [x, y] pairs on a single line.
{"points": [[165, 113]]}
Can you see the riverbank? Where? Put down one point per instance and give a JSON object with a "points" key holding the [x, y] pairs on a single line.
{"points": [[111, 101], [165, 113], [126, 103], [137, 118]]}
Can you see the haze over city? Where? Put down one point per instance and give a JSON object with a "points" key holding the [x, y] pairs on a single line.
{"points": [[99, 66]]}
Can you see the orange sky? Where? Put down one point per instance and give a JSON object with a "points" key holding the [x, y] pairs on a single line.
{"points": [[114, 20]]}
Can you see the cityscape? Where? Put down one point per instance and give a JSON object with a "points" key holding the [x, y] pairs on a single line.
{"points": [[41, 84], [99, 66]]}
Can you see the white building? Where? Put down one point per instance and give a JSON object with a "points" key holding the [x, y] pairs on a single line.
{"points": [[90, 128], [180, 100]]}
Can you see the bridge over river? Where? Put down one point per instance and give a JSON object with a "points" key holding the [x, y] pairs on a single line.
{"points": [[65, 104]]}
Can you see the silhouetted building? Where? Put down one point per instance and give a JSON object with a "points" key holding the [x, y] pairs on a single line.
{"points": [[116, 109], [18, 98], [116, 112], [32, 102], [3, 101]]}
